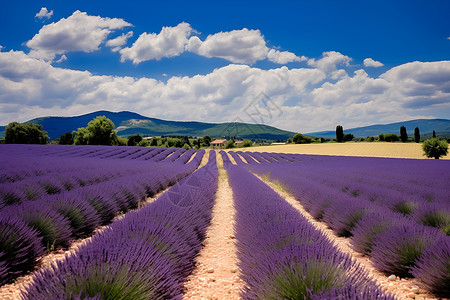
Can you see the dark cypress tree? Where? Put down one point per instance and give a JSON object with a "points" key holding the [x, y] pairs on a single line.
{"points": [[434, 133], [403, 134], [339, 133], [417, 135]]}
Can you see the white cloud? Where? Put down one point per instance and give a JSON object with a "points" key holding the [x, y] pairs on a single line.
{"points": [[369, 62], [329, 61], [44, 13], [62, 58], [117, 43], [169, 42], [238, 46], [79, 32], [283, 57], [309, 101]]}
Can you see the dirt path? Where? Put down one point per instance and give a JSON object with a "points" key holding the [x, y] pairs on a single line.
{"points": [[216, 275], [402, 288]]}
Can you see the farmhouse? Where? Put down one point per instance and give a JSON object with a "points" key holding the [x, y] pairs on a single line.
{"points": [[218, 144]]}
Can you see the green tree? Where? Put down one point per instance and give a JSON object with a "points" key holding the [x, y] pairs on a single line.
{"points": [[28, 133], [301, 139], [403, 134], [381, 137], [247, 143], [230, 144], [417, 135], [99, 131], [134, 139], [435, 148], [339, 133], [143, 143], [66, 139], [154, 142], [434, 134], [348, 137], [206, 141]]}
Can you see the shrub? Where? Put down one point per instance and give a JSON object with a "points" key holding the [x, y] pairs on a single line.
{"points": [[370, 139], [391, 137], [348, 137], [301, 139], [398, 249], [433, 268], [230, 144], [20, 247], [381, 137], [50, 225], [82, 216], [435, 148], [369, 227], [247, 143], [143, 143]]}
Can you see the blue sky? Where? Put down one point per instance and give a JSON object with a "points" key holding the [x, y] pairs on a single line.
{"points": [[320, 63]]}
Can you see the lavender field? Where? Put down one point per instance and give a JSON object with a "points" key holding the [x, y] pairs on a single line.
{"points": [[394, 211]]}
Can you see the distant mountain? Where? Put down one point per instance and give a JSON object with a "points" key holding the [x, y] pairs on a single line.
{"points": [[426, 127], [128, 123]]}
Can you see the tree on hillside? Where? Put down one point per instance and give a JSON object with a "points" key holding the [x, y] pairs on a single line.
{"points": [[134, 139], [435, 148], [403, 134], [99, 131], [301, 139], [28, 133], [417, 135], [339, 134], [66, 139]]}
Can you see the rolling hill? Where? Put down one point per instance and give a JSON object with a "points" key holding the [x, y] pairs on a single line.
{"points": [[128, 123], [426, 127]]}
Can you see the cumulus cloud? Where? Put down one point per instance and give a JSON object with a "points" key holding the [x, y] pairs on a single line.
{"points": [[369, 62], [308, 100], [78, 32], [117, 43], [44, 13], [283, 57], [329, 61], [245, 46], [169, 42], [237, 46]]}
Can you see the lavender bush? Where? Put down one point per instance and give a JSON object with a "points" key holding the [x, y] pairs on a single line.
{"points": [[146, 255], [20, 248], [282, 256]]}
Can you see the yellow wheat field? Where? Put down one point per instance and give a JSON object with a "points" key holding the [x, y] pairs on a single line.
{"points": [[376, 149]]}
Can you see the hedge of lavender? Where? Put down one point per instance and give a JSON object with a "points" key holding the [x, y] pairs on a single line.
{"points": [[50, 195], [146, 255], [282, 256], [397, 211]]}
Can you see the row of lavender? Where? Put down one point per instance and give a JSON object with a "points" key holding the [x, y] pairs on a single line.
{"points": [[417, 188], [282, 256], [52, 218], [397, 243], [146, 255]]}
